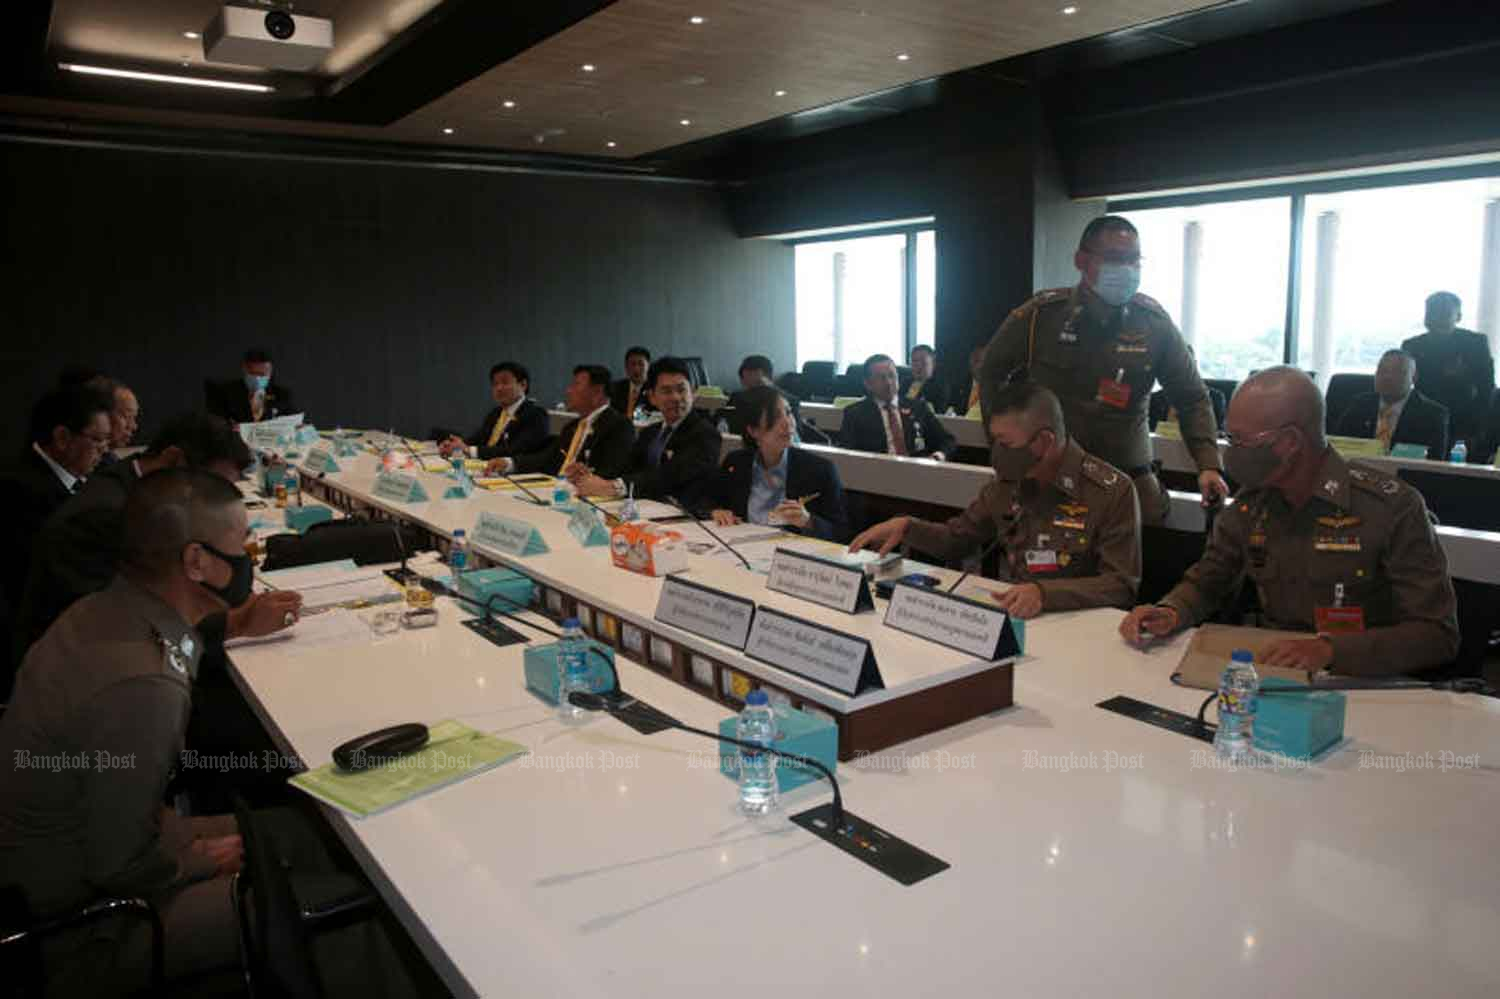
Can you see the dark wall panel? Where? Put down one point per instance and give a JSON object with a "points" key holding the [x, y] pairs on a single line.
{"points": [[384, 292]]}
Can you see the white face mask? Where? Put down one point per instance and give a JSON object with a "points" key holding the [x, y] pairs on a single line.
{"points": [[1117, 283]]}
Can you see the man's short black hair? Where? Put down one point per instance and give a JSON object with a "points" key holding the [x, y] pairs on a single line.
{"points": [[667, 365], [875, 359], [1103, 224], [923, 347], [598, 374], [70, 406], [758, 362], [204, 440], [168, 510], [257, 356], [1441, 301], [1037, 402], [517, 370], [638, 350]]}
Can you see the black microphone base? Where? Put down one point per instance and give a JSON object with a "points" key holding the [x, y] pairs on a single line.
{"points": [[402, 576], [872, 845], [637, 713], [497, 633]]}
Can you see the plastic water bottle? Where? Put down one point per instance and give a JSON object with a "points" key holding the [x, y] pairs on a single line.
{"points": [[572, 671], [562, 492], [757, 724], [458, 552], [1460, 453], [1239, 686]]}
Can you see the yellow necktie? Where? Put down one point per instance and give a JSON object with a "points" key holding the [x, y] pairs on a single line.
{"points": [[576, 444], [915, 389], [499, 428], [973, 396], [1385, 428]]}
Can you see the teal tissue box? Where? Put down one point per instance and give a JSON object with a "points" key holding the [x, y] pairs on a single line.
{"points": [[1300, 725], [300, 518], [797, 732], [541, 669], [272, 476], [513, 589]]}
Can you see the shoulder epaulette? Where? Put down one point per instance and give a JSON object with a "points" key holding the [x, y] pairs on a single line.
{"points": [[1102, 473], [1372, 481], [1042, 298], [1149, 304]]}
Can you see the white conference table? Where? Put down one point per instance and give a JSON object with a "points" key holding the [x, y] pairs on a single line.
{"points": [[613, 864]]}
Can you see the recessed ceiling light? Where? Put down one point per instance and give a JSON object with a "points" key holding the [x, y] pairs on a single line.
{"points": [[190, 81], [685, 121], [1070, 9], [507, 104], [587, 67], [781, 93], [191, 34], [695, 19], [447, 131], [902, 56]]}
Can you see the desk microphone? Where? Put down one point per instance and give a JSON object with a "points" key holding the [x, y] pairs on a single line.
{"points": [[593, 702], [982, 556], [533, 496], [1462, 685]]}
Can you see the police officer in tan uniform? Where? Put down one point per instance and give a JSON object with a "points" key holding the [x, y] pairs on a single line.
{"points": [[1333, 548], [1068, 522], [1101, 347]]}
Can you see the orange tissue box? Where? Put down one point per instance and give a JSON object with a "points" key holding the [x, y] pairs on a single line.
{"points": [[647, 548]]}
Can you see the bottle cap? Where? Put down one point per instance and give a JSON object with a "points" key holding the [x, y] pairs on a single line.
{"points": [[1242, 656], [756, 698], [570, 622], [459, 533]]}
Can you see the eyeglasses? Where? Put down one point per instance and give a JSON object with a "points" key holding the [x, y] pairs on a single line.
{"points": [[1253, 440]]}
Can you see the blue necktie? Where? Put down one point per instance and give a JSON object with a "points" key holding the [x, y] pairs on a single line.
{"points": [[654, 451]]}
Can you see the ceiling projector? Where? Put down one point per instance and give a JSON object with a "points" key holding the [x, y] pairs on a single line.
{"points": [[268, 37]]}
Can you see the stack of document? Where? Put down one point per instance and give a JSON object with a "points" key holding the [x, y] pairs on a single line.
{"points": [[333, 584]]}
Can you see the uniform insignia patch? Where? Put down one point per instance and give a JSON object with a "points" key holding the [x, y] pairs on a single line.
{"points": [[1331, 487], [1067, 482], [1340, 522], [1389, 487]]}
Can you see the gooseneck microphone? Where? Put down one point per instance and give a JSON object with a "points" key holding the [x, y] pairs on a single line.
{"points": [[531, 495], [671, 502], [983, 554], [593, 702], [1462, 685]]}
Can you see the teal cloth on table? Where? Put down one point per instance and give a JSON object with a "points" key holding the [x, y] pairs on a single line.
{"points": [[798, 732], [542, 673], [480, 585], [302, 518], [1301, 724]]}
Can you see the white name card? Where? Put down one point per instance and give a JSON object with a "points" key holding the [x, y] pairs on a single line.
{"points": [[399, 487], [809, 650], [978, 629], [508, 535], [705, 611], [821, 581], [320, 460]]}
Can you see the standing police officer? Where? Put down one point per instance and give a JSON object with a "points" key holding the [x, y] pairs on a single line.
{"points": [[1101, 347]]}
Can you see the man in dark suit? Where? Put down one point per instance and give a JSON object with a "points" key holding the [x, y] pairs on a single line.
{"points": [[600, 438], [515, 426], [1454, 366], [676, 458], [254, 397], [756, 370], [82, 537], [69, 433], [884, 424], [924, 382], [630, 392], [1395, 413], [772, 481]]}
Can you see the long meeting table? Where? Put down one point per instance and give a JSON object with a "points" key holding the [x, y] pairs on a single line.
{"points": [[1091, 854]]}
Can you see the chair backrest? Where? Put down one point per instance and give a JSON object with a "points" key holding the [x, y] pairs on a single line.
{"points": [[279, 959], [366, 542], [819, 379], [698, 373], [1342, 390], [1225, 385]]}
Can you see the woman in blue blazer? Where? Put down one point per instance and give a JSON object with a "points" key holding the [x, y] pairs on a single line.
{"points": [[770, 479]]}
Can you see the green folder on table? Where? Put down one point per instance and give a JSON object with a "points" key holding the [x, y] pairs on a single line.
{"points": [[453, 752]]}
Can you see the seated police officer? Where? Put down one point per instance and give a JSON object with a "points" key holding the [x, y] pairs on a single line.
{"points": [[1335, 549], [1069, 522]]}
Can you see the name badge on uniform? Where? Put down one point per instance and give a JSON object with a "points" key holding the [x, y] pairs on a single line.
{"points": [[1041, 560], [1114, 391], [1067, 335], [1340, 619]]}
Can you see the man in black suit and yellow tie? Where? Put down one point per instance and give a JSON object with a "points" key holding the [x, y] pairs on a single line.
{"points": [[885, 424], [600, 438], [515, 426], [1396, 413], [924, 382], [631, 392], [676, 458]]}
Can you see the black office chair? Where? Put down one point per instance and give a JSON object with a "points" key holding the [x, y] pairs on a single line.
{"points": [[21, 937], [819, 379], [366, 542], [1483, 451], [1159, 408], [697, 373], [1343, 389], [1226, 387], [852, 383]]}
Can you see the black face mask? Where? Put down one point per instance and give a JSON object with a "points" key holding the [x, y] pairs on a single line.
{"points": [[242, 574], [1252, 467], [1012, 463]]}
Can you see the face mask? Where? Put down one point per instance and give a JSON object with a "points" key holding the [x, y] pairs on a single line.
{"points": [[257, 383], [1251, 467], [242, 574], [1012, 463], [1117, 283]]}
